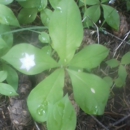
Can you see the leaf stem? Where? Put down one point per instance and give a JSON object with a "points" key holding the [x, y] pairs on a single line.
{"points": [[24, 29]]}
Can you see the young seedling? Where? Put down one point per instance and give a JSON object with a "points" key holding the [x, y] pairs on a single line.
{"points": [[46, 101]]}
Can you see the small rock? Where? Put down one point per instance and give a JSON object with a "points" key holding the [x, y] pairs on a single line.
{"points": [[18, 110]]}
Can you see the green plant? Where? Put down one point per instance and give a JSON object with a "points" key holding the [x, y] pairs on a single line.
{"points": [[93, 13], [127, 4], [6, 2], [6, 41], [31, 7], [122, 73], [46, 101]]}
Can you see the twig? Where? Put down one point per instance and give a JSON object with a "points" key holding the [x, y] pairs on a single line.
{"points": [[37, 127], [103, 72], [84, 19], [115, 36], [94, 25], [97, 31], [121, 43], [112, 86], [119, 121], [100, 123]]}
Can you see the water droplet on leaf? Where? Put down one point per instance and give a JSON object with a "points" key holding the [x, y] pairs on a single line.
{"points": [[92, 90], [79, 70], [100, 22], [10, 92], [43, 38], [59, 9], [96, 110], [40, 8], [41, 110], [112, 2], [47, 52]]}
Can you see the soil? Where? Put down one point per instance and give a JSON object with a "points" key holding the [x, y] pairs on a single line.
{"points": [[14, 114]]}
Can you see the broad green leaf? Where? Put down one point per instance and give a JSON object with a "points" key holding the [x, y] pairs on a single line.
{"points": [[43, 5], [126, 59], [111, 16], [128, 5], [104, 1], [108, 80], [92, 14], [76, 69], [2, 44], [61, 116], [90, 92], [6, 2], [81, 3], [47, 50], [113, 63], [122, 72], [66, 30], [12, 77], [45, 16], [90, 2], [7, 37], [27, 16], [44, 37], [7, 17], [39, 4], [7, 90], [29, 59], [3, 47], [3, 75], [89, 57], [29, 3], [54, 3], [48, 91], [119, 82]]}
